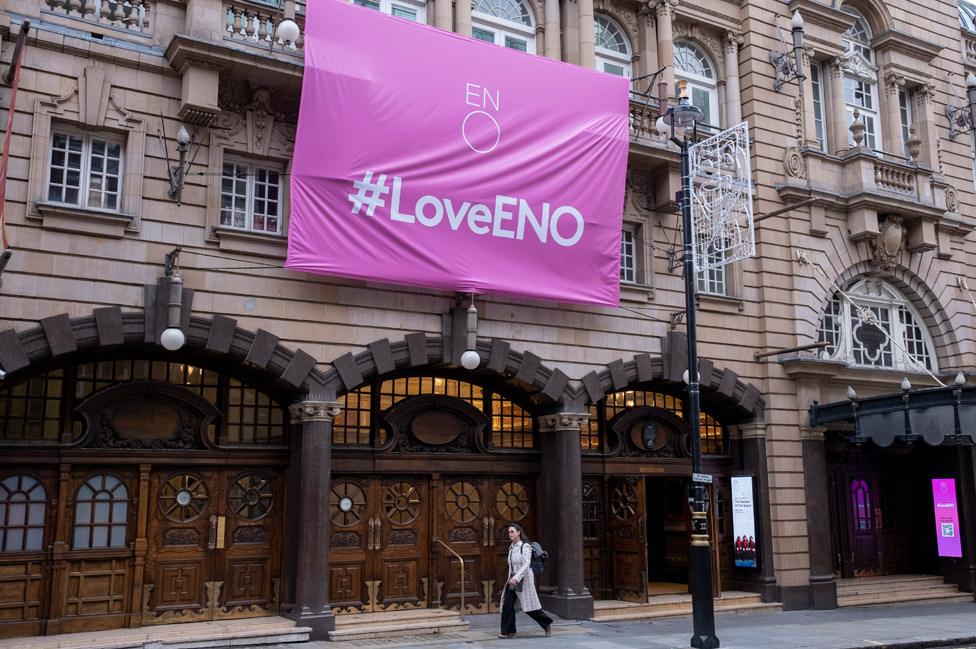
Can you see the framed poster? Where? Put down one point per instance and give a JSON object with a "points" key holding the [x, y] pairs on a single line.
{"points": [[744, 522], [946, 517]]}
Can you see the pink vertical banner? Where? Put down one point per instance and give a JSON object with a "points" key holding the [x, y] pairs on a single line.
{"points": [[946, 517]]}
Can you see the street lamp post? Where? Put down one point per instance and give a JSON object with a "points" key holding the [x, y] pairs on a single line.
{"points": [[682, 116]]}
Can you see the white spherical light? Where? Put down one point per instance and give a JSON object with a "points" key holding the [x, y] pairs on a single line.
{"points": [[288, 30], [470, 360], [172, 339]]}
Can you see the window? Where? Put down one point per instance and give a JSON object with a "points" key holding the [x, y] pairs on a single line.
{"points": [[613, 54], [713, 280], [906, 99], [861, 80], [85, 170], [967, 15], [862, 335], [250, 197], [819, 124], [415, 11], [101, 510], [22, 503], [591, 511], [628, 256], [508, 23], [861, 505], [692, 65]]}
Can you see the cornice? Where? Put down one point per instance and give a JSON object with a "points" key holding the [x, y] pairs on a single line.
{"points": [[907, 44], [259, 66], [820, 14]]}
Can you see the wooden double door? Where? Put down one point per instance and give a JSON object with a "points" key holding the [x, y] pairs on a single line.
{"points": [[214, 544], [387, 548]]}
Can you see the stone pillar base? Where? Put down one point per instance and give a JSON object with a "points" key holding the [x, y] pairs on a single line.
{"points": [[320, 623], [568, 606], [823, 593], [764, 587]]}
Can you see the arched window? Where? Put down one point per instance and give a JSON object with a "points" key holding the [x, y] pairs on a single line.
{"points": [[101, 513], [504, 22], [414, 10], [862, 335], [861, 505], [22, 503], [691, 64], [613, 53], [861, 79]]}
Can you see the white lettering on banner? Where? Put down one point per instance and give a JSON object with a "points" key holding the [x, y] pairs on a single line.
{"points": [[564, 224], [481, 131]]}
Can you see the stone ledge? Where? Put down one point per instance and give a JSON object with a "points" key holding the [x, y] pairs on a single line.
{"points": [[84, 220], [251, 243]]}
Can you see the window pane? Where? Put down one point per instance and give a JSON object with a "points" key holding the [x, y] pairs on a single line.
{"points": [[515, 43], [81, 538], [101, 511], [100, 536], [35, 538], [369, 4], [36, 514], [403, 12], [15, 540], [118, 536], [614, 69], [483, 34], [17, 514]]}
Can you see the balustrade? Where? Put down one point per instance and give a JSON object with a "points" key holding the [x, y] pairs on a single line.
{"points": [[255, 25], [892, 178], [131, 15], [969, 47]]}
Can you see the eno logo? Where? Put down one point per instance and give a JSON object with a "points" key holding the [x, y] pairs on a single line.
{"points": [[480, 129]]}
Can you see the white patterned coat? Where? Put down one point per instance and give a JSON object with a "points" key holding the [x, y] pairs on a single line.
{"points": [[519, 560]]}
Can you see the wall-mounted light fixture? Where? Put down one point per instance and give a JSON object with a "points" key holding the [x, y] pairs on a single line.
{"points": [[962, 119], [173, 338], [470, 359], [286, 34], [178, 172], [789, 65]]}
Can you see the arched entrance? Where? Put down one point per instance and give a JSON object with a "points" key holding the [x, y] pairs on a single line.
{"points": [[139, 486]]}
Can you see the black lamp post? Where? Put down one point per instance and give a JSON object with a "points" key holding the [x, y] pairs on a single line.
{"points": [[682, 116]]}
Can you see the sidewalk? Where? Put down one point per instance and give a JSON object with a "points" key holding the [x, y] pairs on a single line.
{"points": [[917, 626]]}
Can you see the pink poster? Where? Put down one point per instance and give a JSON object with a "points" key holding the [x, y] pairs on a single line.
{"points": [[946, 517], [431, 159]]}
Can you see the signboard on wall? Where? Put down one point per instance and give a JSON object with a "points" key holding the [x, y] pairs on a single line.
{"points": [[946, 517], [744, 523], [441, 161]]}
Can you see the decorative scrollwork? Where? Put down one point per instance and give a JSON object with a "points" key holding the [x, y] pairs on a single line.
{"points": [[512, 501], [401, 503], [347, 503], [623, 502], [462, 502], [793, 162], [183, 497], [251, 496]]}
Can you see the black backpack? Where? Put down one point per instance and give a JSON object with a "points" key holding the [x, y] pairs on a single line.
{"points": [[539, 558]]}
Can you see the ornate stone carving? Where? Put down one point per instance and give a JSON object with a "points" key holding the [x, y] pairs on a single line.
{"points": [[665, 9], [794, 163], [856, 65], [951, 199], [888, 245], [893, 82], [732, 42], [562, 421], [308, 411], [914, 143], [857, 128]]}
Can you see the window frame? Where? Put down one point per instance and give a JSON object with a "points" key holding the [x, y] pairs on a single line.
{"points": [[253, 167], [857, 42], [819, 104], [906, 117], [606, 56], [713, 281], [696, 81], [387, 7], [631, 230], [91, 524], [84, 188], [502, 28], [26, 526]]}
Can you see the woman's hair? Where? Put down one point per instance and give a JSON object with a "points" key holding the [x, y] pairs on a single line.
{"points": [[522, 535]]}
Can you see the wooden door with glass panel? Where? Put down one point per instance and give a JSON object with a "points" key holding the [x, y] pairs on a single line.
{"points": [[513, 502], [626, 524], [214, 545], [378, 551], [467, 525]]}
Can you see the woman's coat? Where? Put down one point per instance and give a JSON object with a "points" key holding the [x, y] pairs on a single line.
{"points": [[519, 560]]}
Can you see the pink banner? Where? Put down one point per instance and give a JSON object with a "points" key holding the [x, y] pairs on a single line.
{"points": [[946, 517], [431, 159]]}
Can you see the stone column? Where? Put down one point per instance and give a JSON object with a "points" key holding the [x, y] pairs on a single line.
{"points": [[561, 517], [462, 17], [733, 94], [570, 30], [964, 570], [665, 39], [838, 112], [647, 42], [311, 606], [752, 454], [823, 589], [442, 15], [892, 139], [808, 126], [587, 40], [925, 124], [553, 46]]}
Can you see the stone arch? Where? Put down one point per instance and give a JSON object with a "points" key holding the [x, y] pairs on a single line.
{"points": [[874, 11], [626, 21], [740, 400], [544, 386], [258, 355], [707, 41], [916, 291]]}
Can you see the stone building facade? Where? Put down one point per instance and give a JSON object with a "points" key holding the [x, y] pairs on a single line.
{"points": [[315, 440]]}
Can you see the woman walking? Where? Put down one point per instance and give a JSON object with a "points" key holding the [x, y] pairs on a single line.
{"points": [[520, 585]]}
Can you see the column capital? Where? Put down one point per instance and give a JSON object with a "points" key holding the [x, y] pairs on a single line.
{"points": [[562, 421], [309, 411], [752, 431], [732, 41], [665, 9]]}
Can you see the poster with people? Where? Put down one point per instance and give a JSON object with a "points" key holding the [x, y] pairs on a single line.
{"points": [[744, 523]]}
